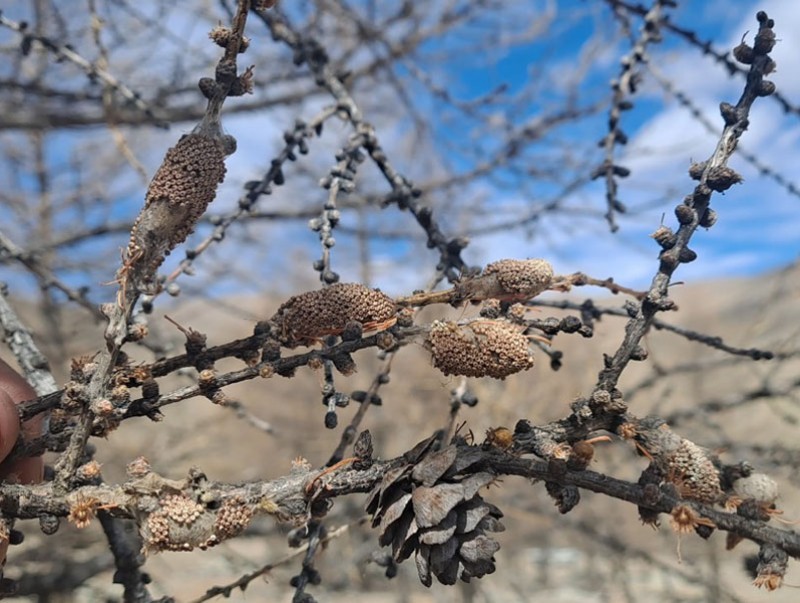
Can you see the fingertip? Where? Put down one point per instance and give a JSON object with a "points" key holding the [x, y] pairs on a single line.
{"points": [[29, 470], [9, 424]]}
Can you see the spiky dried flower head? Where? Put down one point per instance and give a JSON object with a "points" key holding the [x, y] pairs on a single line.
{"points": [[82, 510], [304, 318], [179, 193], [484, 348], [684, 520], [521, 279]]}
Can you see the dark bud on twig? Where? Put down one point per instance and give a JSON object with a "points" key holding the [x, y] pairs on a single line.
{"points": [[729, 114], [221, 35], [743, 53], [49, 524], [685, 214], [207, 86], [709, 218], [566, 497], [765, 40], [331, 420], [664, 237], [363, 451], [721, 178], [696, 170], [344, 363], [771, 569], [15, 537], [765, 88]]}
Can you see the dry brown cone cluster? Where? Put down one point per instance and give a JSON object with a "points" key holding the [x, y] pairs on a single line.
{"points": [[432, 508], [305, 318], [484, 348], [691, 468], [178, 195]]}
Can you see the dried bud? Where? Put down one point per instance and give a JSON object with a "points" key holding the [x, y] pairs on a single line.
{"points": [[766, 88], [75, 396], [566, 497], [345, 364], [772, 564], [765, 41], [88, 471], [221, 35], [207, 378], [138, 467], [730, 116], [664, 237], [49, 524], [484, 348], [696, 170], [102, 408], [721, 178], [709, 218], [314, 314], [82, 368], [743, 53], [685, 214]]}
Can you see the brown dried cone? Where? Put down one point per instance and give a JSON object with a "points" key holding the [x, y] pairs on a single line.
{"points": [[178, 195], [304, 318], [433, 509], [691, 468], [484, 348]]}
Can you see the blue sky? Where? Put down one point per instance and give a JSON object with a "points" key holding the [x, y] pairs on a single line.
{"points": [[757, 219]]}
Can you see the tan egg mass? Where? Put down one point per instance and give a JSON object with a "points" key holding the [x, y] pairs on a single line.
{"points": [[525, 278], [327, 311], [485, 348]]}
